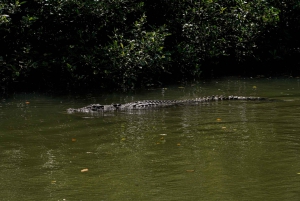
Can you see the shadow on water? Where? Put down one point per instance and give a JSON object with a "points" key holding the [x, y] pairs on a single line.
{"points": [[228, 150]]}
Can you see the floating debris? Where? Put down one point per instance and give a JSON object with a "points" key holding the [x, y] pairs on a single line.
{"points": [[84, 170]]}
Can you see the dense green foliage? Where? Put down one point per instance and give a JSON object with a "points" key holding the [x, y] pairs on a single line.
{"points": [[132, 43]]}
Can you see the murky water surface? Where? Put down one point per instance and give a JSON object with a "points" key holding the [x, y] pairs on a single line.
{"points": [[226, 150]]}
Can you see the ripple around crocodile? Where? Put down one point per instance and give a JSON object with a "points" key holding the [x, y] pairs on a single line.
{"points": [[145, 104]]}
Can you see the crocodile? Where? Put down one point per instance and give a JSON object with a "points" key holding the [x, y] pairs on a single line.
{"points": [[145, 104]]}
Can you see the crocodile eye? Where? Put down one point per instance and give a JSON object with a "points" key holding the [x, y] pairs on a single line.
{"points": [[116, 106]]}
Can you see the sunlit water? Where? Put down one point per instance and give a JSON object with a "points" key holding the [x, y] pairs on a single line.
{"points": [[226, 150]]}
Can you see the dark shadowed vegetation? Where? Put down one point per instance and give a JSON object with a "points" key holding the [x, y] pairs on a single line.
{"points": [[127, 44]]}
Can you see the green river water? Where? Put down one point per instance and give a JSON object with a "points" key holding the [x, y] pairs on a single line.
{"points": [[225, 150]]}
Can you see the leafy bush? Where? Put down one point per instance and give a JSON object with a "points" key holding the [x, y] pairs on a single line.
{"points": [[132, 43], [136, 57]]}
